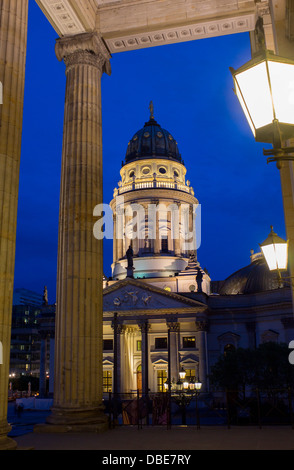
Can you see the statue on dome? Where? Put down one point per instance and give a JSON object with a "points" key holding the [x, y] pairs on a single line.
{"points": [[130, 256]]}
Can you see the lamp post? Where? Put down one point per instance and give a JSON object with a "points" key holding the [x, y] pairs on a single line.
{"points": [[275, 252], [184, 393], [265, 89]]}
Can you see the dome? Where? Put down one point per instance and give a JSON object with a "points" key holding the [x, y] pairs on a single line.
{"points": [[254, 278], [152, 141]]}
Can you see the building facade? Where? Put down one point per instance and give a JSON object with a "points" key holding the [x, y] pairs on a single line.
{"points": [[161, 312]]}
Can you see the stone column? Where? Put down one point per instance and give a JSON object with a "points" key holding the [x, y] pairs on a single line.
{"points": [[145, 327], [173, 335], [114, 239], [78, 374], [177, 240], [157, 241], [118, 330], [201, 341], [118, 235], [13, 42]]}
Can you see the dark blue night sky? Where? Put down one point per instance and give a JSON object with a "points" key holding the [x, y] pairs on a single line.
{"points": [[191, 88]]}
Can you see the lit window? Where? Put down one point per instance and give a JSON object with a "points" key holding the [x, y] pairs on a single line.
{"points": [[107, 381], [189, 342], [139, 345], [190, 374], [161, 379]]}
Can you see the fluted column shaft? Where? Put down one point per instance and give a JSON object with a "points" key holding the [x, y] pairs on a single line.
{"points": [[173, 329], [145, 327], [201, 341], [13, 41], [79, 314]]}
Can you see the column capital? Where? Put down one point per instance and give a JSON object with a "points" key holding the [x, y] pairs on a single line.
{"points": [[173, 324], [202, 325], [84, 49], [144, 325], [118, 326]]}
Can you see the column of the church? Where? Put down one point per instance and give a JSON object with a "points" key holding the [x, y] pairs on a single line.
{"points": [[119, 234], [145, 327], [79, 315], [201, 342], [13, 42], [157, 241], [118, 332], [177, 239], [173, 334], [114, 239], [185, 229]]}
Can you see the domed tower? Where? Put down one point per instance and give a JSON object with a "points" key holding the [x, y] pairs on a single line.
{"points": [[153, 208]]}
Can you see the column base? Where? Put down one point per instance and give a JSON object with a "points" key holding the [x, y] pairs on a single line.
{"points": [[69, 420]]}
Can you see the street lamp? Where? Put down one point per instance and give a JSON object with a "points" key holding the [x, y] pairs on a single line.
{"points": [[275, 252], [265, 89]]}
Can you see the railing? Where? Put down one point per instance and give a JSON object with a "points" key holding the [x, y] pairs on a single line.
{"points": [[155, 184], [230, 408]]}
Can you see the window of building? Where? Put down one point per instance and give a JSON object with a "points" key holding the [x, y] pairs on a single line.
{"points": [[107, 381], [161, 343], [108, 345], [139, 345], [189, 342], [161, 379], [190, 374]]}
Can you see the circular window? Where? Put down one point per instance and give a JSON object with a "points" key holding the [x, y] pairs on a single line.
{"points": [[146, 135], [176, 173], [162, 171], [170, 137], [131, 174], [146, 171], [159, 134]]}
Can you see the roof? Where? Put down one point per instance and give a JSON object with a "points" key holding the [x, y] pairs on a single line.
{"points": [[152, 141]]}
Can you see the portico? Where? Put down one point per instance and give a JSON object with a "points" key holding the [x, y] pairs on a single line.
{"points": [[150, 338]]}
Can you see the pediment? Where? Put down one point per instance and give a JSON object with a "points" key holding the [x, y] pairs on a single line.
{"points": [[136, 295], [108, 361], [159, 361], [188, 359]]}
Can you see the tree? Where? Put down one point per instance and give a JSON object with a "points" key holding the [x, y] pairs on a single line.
{"points": [[266, 367]]}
